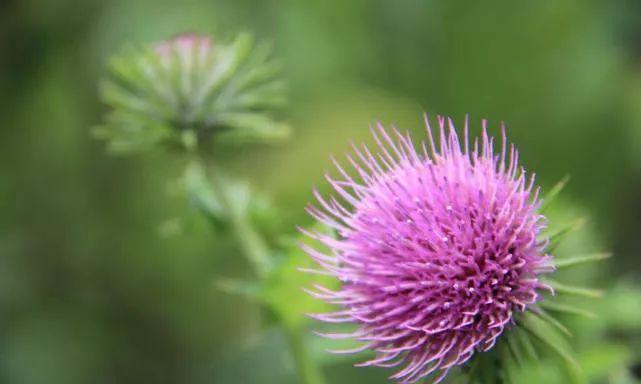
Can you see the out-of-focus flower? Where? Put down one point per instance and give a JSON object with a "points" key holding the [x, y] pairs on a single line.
{"points": [[437, 250], [187, 47], [188, 89]]}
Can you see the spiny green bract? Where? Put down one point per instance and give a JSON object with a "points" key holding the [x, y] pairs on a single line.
{"points": [[189, 88]]}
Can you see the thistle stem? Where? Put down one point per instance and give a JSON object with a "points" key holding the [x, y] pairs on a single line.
{"points": [[251, 243], [257, 252], [249, 240], [308, 372]]}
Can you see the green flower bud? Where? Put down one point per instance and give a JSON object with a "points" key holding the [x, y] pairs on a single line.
{"points": [[188, 89]]}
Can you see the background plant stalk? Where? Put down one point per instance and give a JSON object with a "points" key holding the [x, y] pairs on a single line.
{"points": [[256, 250]]}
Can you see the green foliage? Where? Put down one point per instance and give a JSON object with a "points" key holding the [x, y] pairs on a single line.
{"points": [[252, 205], [284, 292]]}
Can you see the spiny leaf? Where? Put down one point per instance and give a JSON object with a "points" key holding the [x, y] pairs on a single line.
{"points": [[514, 349], [578, 260], [553, 193], [550, 319], [506, 368], [548, 336], [557, 237], [526, 342], [284, 287], [573, 290], [567, 309]]}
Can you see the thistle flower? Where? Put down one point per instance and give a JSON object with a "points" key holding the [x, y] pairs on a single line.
{"points": [[188, 89], [437, 250]]}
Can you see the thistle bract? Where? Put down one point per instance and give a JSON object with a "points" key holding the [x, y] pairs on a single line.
{"points": [[437, 248], [190, 88]]}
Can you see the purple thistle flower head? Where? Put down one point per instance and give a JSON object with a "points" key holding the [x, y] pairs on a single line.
{"points": [[437, 248]]}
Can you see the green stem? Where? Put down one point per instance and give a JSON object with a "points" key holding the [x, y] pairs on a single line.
{"points": [[251, 243], [253, 246], [256, 250], [308, 372]]}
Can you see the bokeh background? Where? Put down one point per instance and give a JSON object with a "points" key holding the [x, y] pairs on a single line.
{"points": [[99, 282]]}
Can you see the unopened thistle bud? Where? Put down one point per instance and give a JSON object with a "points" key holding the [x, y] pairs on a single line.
{"points": [[188, 89]]}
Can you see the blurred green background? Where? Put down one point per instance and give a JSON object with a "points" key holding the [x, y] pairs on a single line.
{"points": [[93, 289]]}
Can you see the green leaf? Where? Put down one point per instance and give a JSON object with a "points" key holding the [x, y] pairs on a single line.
{"points": [[549, 197], [550, 319], [284, 286], [573, 290], [548, 336], [507, 369], [557, 237], [514, 349], [528, 347], [578, 260], [566, 309]]}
